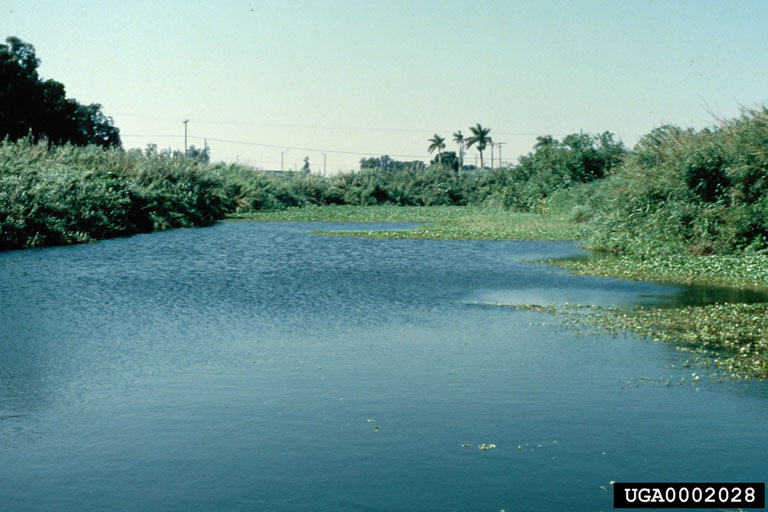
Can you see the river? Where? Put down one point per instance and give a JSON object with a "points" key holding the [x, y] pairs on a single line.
{"points": [[255, 366]]}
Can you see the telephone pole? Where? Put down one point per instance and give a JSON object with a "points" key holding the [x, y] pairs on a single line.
{"points": [[500, 144], [491, 154], [185, 136]]}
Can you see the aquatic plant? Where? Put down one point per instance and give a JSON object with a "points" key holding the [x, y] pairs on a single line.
{"points": [[442, 222], [732, 338], [748, 271]]}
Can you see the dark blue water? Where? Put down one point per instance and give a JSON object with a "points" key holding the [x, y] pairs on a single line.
{"points": [[258, 367]]}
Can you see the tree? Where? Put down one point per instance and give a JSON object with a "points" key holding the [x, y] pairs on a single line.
{"points": [[386, 163], [543, 141], [480, 138], [202, 155], [305, 167], [554, 165], [40, 108], [458, 138], [437, 143], [94, 127], [447, 159]]}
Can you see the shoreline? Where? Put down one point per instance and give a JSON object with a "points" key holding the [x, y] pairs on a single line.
{"points": [[732, 338]]}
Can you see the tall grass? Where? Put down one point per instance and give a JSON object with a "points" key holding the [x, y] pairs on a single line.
{"points": [[683, 191], [61, 195]]}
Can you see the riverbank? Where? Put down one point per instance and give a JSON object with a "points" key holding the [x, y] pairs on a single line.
{"points": [[730, 340]]}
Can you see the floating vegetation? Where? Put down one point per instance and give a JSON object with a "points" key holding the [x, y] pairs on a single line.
{"points": [[744, 271], [520, 447], [728, 337], [444, 222]]}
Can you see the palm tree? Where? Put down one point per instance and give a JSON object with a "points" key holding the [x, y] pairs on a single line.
{"points": [[458, 138], [437, 143], [481, 138]]}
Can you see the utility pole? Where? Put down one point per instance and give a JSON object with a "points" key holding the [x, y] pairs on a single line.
{"points": [[491, 154], [282, 154], [185, 136], [500, 144], [325, 170]]}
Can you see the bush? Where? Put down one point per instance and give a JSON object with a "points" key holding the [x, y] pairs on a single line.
{"points": [[686, 191], [61, 195]]}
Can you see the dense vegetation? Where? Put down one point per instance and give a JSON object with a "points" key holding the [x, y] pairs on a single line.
{"points": [[687, 192], [51, 195], [62, 195], [39, 109], [678, 192], [556, 166]]}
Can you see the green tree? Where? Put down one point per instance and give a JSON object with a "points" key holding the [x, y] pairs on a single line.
{"points": [[543, 141], [458, 138], [386, 163], [201, 154], [480, 138], [437, 143], [447, 159], [32, 106]]}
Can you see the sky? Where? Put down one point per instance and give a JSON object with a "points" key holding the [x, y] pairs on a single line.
{"points": [[268, 83]]}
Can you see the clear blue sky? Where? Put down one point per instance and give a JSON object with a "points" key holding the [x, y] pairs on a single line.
{"points": [[381, 77]]}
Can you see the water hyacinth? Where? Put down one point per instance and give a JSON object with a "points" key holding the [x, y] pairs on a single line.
{"points": [[731, 337], [743, 271], [443, 222]]}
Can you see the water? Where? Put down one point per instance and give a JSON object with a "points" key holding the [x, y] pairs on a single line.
{"points": [[259, 367]]}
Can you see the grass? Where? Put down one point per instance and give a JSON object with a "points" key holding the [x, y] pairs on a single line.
{"points": [[442, 222]]}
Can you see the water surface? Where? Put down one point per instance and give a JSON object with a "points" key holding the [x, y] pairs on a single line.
{"points": [[253, 366]]}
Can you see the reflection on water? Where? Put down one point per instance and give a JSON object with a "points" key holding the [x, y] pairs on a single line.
{"points": [[682, 295], [702, 295], [258, 367]]}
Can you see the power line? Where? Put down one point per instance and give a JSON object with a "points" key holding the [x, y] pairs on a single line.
{"points": [[277, 146], [356, 128]]}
